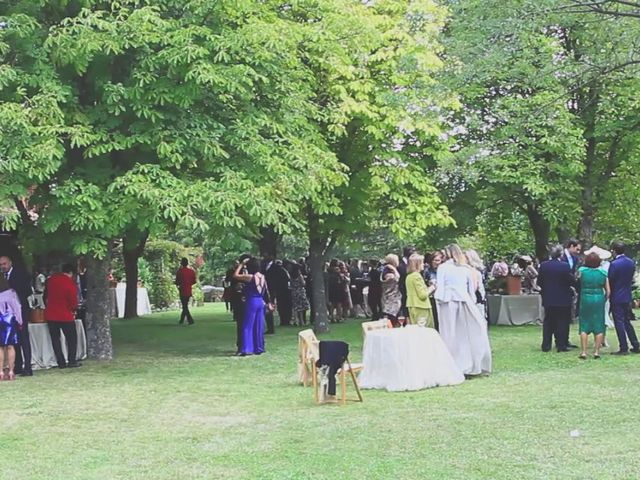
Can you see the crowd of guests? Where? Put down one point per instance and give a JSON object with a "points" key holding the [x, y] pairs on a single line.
{"points": [[592, 288], [59, 294], [445, 292], [524, 267]]}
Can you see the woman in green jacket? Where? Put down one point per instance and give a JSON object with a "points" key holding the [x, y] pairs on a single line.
{"points": [[418, 293]]}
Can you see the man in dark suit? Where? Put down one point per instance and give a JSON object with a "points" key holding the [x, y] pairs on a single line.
{"points": [[621, 272], [237, 302], [570, 255], [556, 279], [20, 281], [267, 270], [279, 283]]}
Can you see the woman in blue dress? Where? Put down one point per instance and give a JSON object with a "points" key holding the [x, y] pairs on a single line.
{"points": [[255, 293]]}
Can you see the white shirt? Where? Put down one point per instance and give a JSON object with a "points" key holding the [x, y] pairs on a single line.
{"points": [[569, 257]]}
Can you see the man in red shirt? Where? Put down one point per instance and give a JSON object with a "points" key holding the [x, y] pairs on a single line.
{"points": [[185, 279], [61, 300]]}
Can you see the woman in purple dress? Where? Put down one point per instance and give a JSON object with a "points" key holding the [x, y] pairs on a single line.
{"points": [[10, 322], [255, 292]]}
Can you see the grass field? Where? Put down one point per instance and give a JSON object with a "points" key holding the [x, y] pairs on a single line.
{"points": [[174, 404]]}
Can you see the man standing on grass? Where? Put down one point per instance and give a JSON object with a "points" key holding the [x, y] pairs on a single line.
{"points": [[61, 300], [185, 279], [238, 301], [556, 281], [621, 273]]}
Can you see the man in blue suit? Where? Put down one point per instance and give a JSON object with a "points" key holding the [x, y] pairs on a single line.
{"points": [[556, 279], [621, 272], [570, 254]]}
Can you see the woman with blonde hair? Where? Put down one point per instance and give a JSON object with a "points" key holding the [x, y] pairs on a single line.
{"points": [[391, 296], [478, 269], [462, 326], [417, 292]]}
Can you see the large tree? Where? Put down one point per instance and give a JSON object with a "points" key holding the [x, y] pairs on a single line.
{"points": [[136, 115], [543, 123], [372, 66]]}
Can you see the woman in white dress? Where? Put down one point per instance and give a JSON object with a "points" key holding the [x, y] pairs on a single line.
{"points": [[477, 271], [462, 327]]}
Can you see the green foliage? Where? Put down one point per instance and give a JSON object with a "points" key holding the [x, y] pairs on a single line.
{"points": [[143, 114], [373, 68], [163, 293], [219, 254], [145, 274], [549, 111], [163, 258], [198, 295], [502, 232]]}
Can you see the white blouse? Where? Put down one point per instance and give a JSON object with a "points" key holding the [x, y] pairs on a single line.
{"points": [[454, 283], [9, 302]]}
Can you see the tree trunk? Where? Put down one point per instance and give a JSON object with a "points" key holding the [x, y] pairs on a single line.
{"points": [[132, 248], [541, 230], [99, 308], [317, 259], [585, 227], [563, 233], [592, 175], [320, 316], [268, 242]]}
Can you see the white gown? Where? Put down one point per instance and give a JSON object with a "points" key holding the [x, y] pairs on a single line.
{"points": [[462, 327]]}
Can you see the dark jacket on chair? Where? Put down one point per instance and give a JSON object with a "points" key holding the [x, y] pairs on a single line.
{"points": [[332, 353]]}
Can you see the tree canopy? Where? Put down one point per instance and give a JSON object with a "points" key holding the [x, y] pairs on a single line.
{"points": [[332, 121], [549, 118]]}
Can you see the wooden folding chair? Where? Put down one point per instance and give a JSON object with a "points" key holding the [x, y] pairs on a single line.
{"points": [[375, 325], [308, 354], [347, 367]]}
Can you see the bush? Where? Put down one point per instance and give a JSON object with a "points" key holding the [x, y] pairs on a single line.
{"points": [[198, 295], [163, 293], [157, 269], [163, 258]]}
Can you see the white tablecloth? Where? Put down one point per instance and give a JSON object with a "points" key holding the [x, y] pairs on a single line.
{"points": [[42, 355], [410, 358], [144, 306]]}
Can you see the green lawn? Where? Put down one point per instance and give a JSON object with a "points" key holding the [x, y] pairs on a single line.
{"points": [[174, 404]]}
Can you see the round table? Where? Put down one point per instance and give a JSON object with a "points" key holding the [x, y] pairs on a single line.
{"points": [[409, 358], [42, 355]]}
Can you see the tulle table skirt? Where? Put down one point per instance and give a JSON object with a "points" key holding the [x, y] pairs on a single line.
{"points": [[410, 358]]}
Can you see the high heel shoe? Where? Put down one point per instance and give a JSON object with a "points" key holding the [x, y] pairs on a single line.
{"points": [[11, 375]]}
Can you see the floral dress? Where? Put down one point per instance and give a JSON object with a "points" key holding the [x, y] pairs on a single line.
{"points": [[299, 295]]}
